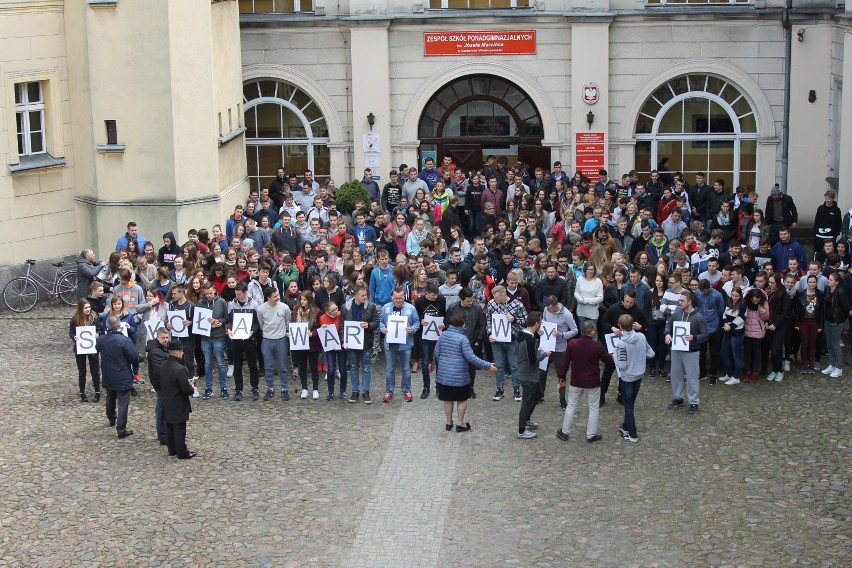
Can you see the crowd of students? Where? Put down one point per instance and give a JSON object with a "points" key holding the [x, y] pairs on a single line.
{"points": [[444, 239]]}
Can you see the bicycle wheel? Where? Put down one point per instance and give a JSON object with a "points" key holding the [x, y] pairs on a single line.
{"points": [[67, 288], [20, 295]]}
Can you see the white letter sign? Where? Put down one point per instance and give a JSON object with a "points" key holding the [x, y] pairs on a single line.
{"points": [[609, 339], [151, 327], [432, 331], [299, 336], [548, 337], [242, 325], [396, 330], [200, 325], [175, 319], [329, 338], [86, 338], [353, 335], [680, 329], [501, 328]]}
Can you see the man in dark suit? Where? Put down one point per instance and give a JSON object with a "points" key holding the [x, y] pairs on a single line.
{"points": [[175, 390], [118, 355]]}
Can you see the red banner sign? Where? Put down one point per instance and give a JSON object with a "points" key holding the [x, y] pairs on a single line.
{"points": [[590, 154], [494, 42]]}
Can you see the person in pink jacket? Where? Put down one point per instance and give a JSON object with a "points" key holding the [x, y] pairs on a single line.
{"points": [[757, 314]]}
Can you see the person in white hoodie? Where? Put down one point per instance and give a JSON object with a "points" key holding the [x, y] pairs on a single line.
{"points": [[631, 352]]}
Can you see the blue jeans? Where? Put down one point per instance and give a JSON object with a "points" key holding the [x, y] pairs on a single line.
{"points": [[392, 353], [428, 349], [732, 354], [362, 369], [159, 418], [629, 392], [214, 348], [506, 359], [334, 359], [275, 353], [656, 335]]}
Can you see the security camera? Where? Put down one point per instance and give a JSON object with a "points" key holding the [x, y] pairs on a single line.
{"points": [[801, 34]]}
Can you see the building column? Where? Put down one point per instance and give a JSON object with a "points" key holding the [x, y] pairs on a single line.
{"points": [[844, 195], [371, 94], [589, 65]]}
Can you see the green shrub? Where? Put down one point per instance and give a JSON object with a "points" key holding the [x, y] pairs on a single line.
{"points": [[348, 193]]}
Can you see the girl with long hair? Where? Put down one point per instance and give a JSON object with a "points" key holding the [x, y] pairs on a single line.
{"points": [[85, 316], [656, 331], [733, 327], [757, 314], [306, 312]]}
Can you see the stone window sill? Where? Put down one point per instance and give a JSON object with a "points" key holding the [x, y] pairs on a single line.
{"points": [[225, 138], [111, 149], [36, 162]]}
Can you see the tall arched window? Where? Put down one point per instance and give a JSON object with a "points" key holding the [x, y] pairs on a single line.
{"points": [[284, 126], [700, 122]]}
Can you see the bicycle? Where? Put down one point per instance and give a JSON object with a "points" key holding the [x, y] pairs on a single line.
{"points": [[21, 293]]}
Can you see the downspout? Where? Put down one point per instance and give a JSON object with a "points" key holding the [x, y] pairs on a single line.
{"points": [[785, 129]]}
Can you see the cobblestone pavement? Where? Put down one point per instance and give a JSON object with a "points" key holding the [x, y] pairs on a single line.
{"points": [[760, 477]]}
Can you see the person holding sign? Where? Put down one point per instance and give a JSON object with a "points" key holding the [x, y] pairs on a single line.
{"points": [[609, 323], [530, 355], [274, 319], [429, 307], [118, 357], [179, 322], [452, 382], [306, 313], [733, 324], [212, 345], [242, 328], [84, 348], [335, 356], [359, 310], [398, 323], [631, 352], [127, 327], [685, 363], [503, 320], [156, 355], [555, 314]]}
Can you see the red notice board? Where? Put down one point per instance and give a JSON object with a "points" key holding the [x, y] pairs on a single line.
{"points": [[489, 42], [590, 153]]}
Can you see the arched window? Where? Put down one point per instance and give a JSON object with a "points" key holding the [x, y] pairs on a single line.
{"points": [[700, 122], [284, 126]]}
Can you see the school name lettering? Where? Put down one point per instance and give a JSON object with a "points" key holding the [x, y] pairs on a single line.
{"points": [[467, 38], [506, 42]]}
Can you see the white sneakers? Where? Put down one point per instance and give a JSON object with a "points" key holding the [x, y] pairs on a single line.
{"points": [[771, 376], [732, 381], [779, 377], [304, 393], [315, 396], [836, 373], [786, 366], [828, 370]]}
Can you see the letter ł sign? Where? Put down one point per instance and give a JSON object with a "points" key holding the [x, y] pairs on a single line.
{"points": [[396, 330], [353, 335], [501, 328], [86, 338], [680, 329], [200, 323]]}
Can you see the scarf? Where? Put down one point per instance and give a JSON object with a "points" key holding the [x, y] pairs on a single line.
{"points": [[420, 234]]}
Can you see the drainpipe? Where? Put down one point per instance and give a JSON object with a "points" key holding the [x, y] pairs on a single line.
{"points": [[785, 129]]}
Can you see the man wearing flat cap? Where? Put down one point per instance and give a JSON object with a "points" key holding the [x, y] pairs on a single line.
{"points": [[175, 390]]}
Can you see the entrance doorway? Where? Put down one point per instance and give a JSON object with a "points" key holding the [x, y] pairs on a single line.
{"points": [[479, 115]]}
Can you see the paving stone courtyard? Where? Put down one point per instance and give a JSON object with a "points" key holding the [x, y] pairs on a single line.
{"points": [[760, 477]]}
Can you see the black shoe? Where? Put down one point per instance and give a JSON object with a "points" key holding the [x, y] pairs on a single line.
{"points": [[125, 434], [602, 401], [619, 401], [225, 395], [285, 395], [448, 426], [425, 394], [713, 380], [353, 397], [563, 404], [366, 398], [97, 397], [329, 396], [561, 435], [163, 443], [255, 395], [270, 394], [517, 394], [238, 396], [693, 408], [676, 403], [595, 438], [188, 456], [83, 397], [465, 428], [112, 423], [498, 395], [472, 393]]}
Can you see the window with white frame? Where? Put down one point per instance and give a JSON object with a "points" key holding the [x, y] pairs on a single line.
{"points": [[476, 4], [29, 118], [275, 6]]}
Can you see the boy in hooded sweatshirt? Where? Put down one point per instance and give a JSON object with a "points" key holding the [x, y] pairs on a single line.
{"points": [[631, 351], [169, 251]]}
